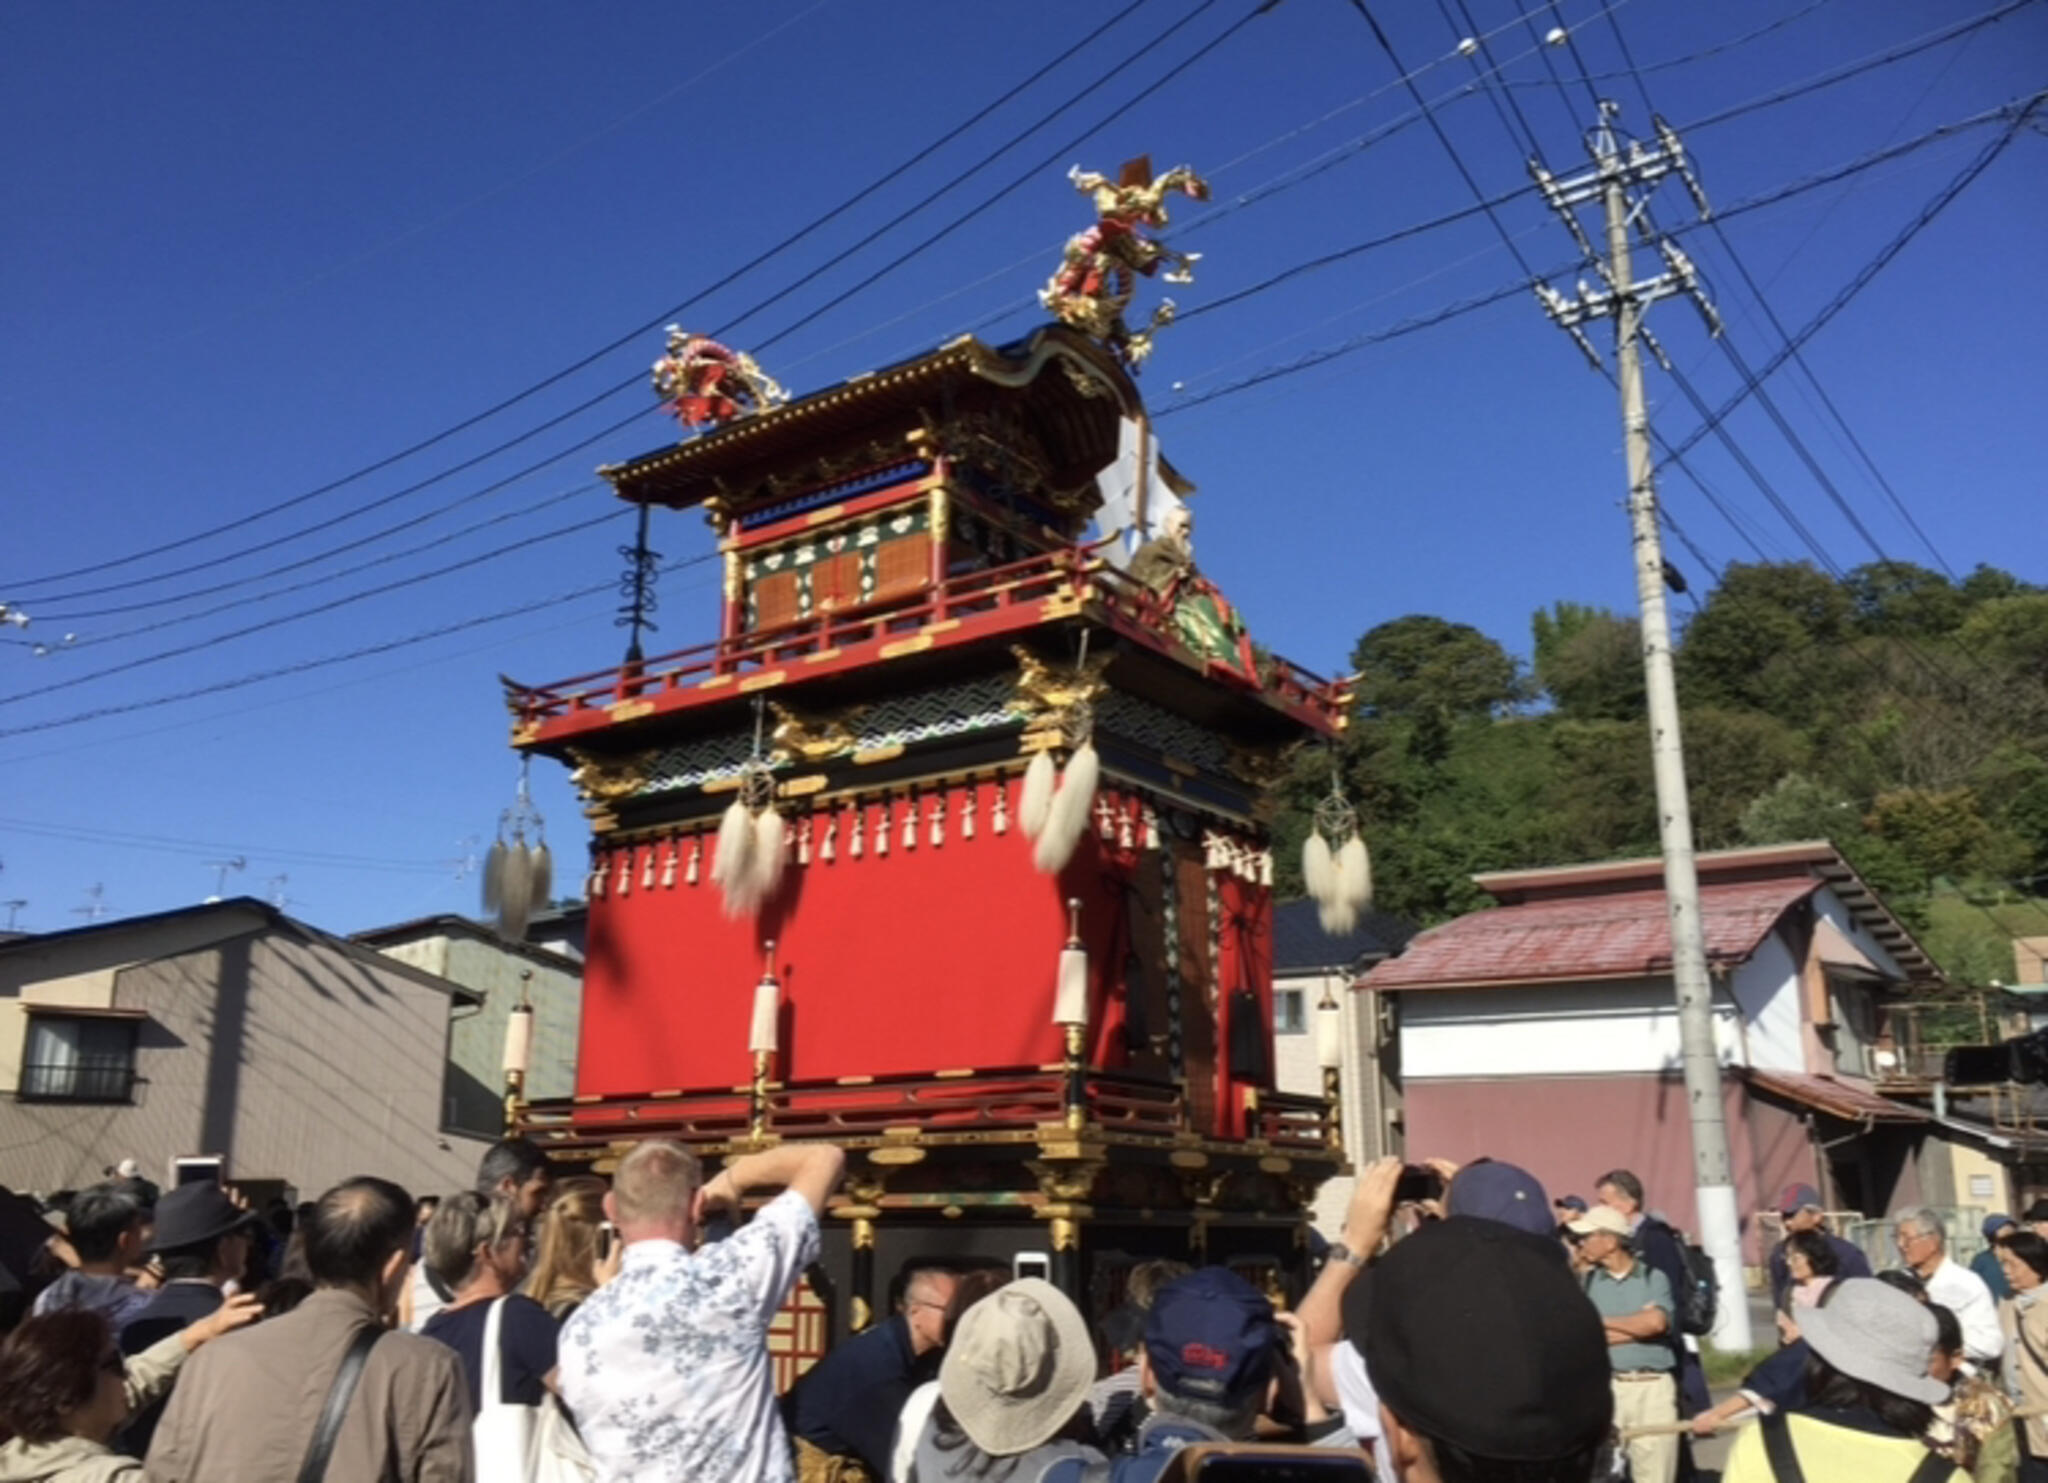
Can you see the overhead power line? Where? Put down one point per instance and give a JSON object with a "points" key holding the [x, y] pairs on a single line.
{"points": [[505, 517], [1521, 286], [324, 661], [610, 346], [1719, 48], [2016, 115], [173, 845], [270, 625]]}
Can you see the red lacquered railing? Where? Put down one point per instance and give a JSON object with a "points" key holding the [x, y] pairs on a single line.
{"points": [[1014, 1098], [1069, 572]]}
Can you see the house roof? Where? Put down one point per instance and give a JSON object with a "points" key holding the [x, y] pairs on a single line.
{"points": [[1616, 934], [1301, 945], [1610, 920], [267, 917], [1835, 1098], [448, 924], [1815, 857]]}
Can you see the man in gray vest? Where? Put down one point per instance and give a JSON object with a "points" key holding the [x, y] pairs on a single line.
{"points": [[1635, 1306]]}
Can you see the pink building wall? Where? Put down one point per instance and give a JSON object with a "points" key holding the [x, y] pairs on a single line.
{"points": [[1568, 1130]]}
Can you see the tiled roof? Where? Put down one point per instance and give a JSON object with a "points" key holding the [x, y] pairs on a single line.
{"points": [[1835, 1098], [1300, 943], [1615, 934]]}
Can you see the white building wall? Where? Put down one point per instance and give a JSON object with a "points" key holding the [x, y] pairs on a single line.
{"points": [[1297, 1068], [1767, 989], [1623, 1026], [1829, 905]]}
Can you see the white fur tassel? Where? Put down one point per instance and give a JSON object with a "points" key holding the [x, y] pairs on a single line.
{"points": [[1067, 817], [1354, 874], [731, 862], [1318, 868], [1041, 778], [765, 866], [1337, 917]]}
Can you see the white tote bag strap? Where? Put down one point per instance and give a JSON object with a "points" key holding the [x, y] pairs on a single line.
{"points": [[503, 1434], [492, 1388]]}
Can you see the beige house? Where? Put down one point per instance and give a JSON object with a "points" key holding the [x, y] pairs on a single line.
{"points": [[502, 973], [1311, 968], [225, 1029]]}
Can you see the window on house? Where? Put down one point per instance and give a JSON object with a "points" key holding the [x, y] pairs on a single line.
{"points": [[73, 1057], [1290, 1015]]}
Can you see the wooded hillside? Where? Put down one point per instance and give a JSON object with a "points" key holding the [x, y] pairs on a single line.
{"points": [[1896, 712]]}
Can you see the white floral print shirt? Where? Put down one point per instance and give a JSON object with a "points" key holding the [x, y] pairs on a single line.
{"points": [[666, 1366]]}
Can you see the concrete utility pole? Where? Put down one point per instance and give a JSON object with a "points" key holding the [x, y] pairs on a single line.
{"points": [[1617, 169]]}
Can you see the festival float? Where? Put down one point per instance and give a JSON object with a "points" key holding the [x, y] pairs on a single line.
{"points": [[952, 847]]}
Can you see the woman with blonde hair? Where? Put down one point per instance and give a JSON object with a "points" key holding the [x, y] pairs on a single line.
{"points": [[565, 1271]]}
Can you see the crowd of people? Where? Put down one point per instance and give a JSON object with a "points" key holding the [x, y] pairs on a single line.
{"points": [[536, 1330]]}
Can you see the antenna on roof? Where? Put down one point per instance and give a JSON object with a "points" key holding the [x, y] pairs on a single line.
{"points": [[220, 878]]}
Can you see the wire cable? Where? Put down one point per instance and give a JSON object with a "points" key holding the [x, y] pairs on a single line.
{"points": [[546, 503], [615, 344], [324, 661], [269, 625]]}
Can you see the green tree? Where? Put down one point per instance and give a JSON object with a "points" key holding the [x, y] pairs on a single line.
{"points": [[1899, 599], [1798, 807], [1730, 757], [1434, 673], [1987, 582], [1590, 662], [1941, 832], [2012, 633]]}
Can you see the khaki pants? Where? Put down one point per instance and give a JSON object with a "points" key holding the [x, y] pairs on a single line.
{"points": [[815, 1465], [1648, 1398]]}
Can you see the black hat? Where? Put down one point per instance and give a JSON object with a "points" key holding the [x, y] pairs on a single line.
{"points": [[196, 1213], [1475, 1333]]}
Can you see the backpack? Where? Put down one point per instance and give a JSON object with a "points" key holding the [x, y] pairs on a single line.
{"points": [[1699, 1296]]}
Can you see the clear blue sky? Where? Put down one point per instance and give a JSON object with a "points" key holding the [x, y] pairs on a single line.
{"points": [[251, 249]]}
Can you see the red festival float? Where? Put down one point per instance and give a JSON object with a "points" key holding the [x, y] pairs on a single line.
{"points": [[951, 848]]}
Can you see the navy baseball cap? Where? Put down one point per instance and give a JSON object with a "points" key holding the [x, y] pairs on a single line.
{"points": [[1493, 1191], [1210, 1336]]}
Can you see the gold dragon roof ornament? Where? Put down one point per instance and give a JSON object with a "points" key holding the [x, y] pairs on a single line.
{"points": [[705, 383], [1099, 268]]}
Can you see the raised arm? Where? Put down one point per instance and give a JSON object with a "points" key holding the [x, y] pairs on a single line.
{"points": [[813, 1170], [1322, 1308]]}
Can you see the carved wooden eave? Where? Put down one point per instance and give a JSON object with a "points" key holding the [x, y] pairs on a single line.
{"points": [[1069, 392]]}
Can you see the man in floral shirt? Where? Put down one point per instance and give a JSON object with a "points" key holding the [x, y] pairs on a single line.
{"points": [[666, 1366]]}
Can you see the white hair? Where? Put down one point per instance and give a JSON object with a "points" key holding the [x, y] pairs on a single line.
{"points": [[1924, 1219]]}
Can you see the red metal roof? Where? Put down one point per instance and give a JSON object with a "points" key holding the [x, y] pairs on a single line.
{"points": [[1617, 934], [1836, 1098]]}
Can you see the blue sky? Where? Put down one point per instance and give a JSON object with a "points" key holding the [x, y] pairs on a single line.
{"points": [[251, 250]]}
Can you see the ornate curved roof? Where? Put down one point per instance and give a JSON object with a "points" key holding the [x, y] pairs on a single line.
{"points": [[1070, 391]]}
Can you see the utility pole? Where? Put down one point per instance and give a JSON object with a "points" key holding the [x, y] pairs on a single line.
{"points": [[1620, 168]]}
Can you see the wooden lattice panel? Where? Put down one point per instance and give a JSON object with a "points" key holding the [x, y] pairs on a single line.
{"points": [[797, 1336], [903, 566]]}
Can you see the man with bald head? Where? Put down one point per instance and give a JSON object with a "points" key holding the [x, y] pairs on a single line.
{"points": [[844, 1410], [247, 1406]]}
